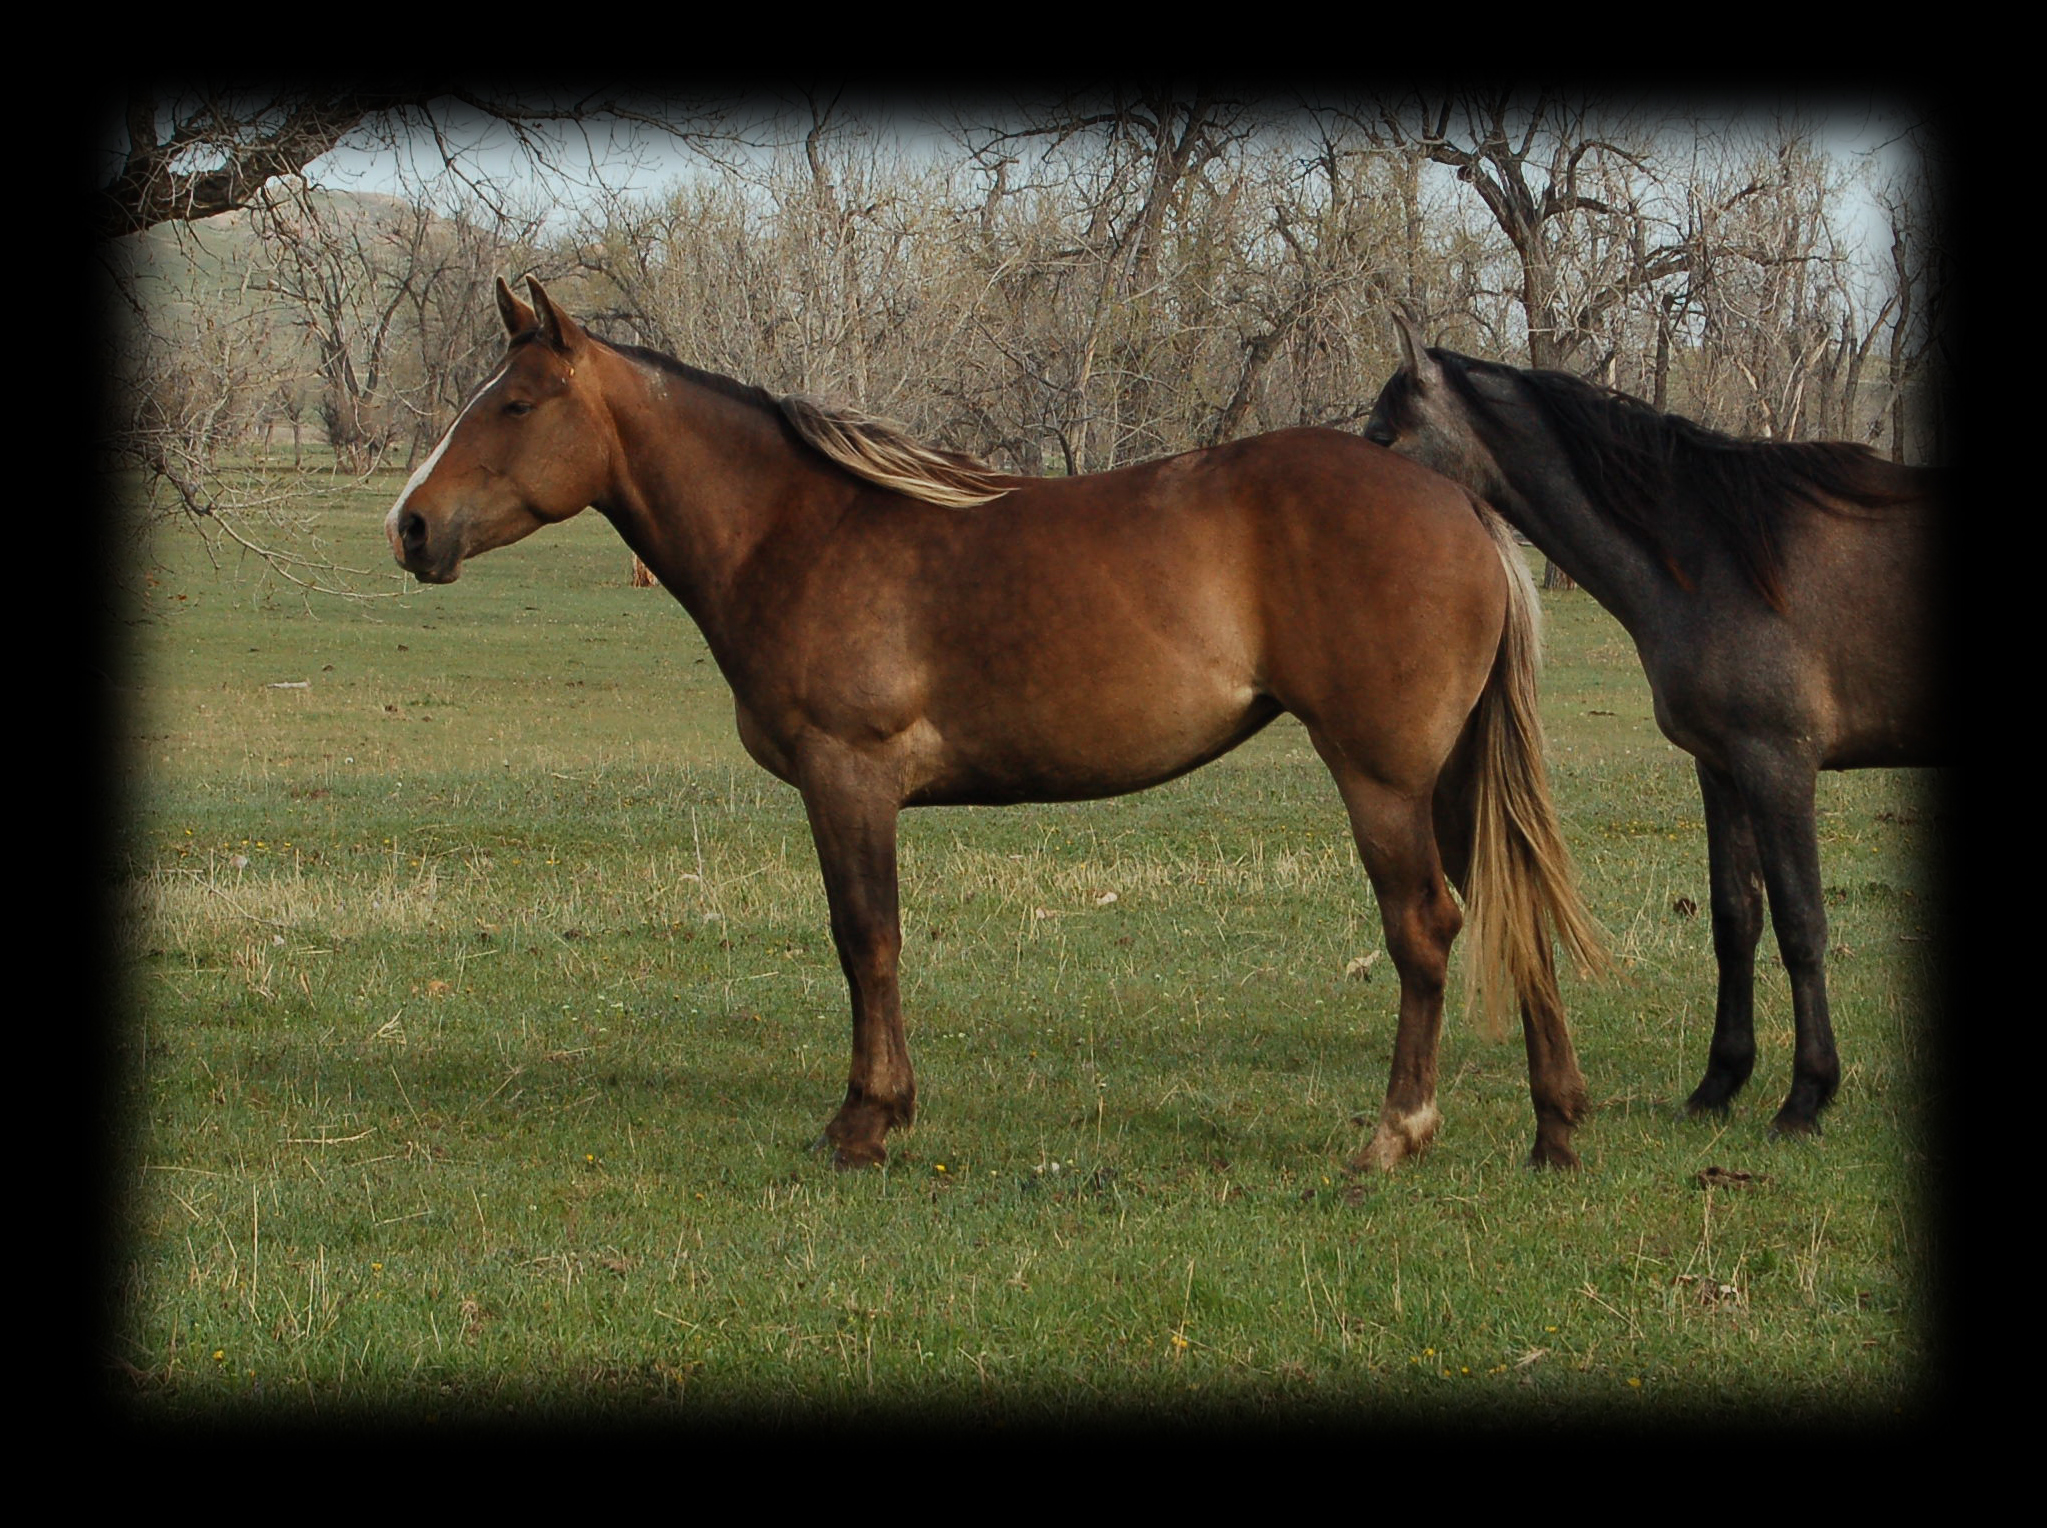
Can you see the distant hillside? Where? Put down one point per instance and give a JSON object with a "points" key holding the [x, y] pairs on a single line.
{"points": [[172, 262]]}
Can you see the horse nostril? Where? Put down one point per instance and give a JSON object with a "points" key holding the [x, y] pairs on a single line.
{"points": [[412, 531]]}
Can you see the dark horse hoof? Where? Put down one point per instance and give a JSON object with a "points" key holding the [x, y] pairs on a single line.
{"points": [[1562, 1158], [1795, 1127], [1712, 1096]]}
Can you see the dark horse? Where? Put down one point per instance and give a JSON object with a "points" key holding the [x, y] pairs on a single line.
{"points": [[903, 627], [1785, 603]]}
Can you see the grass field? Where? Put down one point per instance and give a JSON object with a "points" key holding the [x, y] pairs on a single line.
{"points": [[483, 1011]]}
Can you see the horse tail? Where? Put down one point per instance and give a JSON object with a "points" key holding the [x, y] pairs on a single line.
{"points": [[1519, 889]]}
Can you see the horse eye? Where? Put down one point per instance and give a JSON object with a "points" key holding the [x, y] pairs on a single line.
{"points": [[516, 409], [1379, 435]]}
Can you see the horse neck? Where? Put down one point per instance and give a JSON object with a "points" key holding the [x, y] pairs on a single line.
{"points": [[705, 482], [1546, 503]]}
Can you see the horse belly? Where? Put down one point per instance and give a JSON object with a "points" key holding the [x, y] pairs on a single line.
{"points": [[1867, 603], [1084, 733], [1886, 715]]}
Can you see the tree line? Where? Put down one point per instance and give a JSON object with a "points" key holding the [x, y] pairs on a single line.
{"points": [[1061, 284]]}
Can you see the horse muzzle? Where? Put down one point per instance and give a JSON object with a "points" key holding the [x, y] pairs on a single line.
{"points": [[412, 544]]}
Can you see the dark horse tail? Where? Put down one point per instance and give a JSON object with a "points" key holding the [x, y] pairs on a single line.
{"points": [[1518, 886]]}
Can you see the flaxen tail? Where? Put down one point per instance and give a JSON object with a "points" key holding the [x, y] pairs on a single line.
{"points": [[1519, 891]]}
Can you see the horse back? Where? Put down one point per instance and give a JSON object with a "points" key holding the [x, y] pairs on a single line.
{"points": [[1087, 636]]}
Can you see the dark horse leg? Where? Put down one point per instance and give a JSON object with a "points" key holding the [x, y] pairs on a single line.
{"points": [[855, 832], [1787, 833], [1736, 873], [1396, 840], [1777, 792]]}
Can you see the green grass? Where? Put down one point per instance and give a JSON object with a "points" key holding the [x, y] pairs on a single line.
{"points": [[484, 1011]]}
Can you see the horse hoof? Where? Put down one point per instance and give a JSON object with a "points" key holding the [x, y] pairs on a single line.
{"points": [[1711, 1097], [1386, 1150], [852, 1155], [1794, 1127], [1559, 1158]]}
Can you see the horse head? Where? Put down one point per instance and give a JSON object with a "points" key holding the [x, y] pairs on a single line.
{"points": [[532, 447], [1422, 414]]}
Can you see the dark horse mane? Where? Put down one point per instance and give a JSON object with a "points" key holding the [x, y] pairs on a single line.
{"points": [[1642, 467]]}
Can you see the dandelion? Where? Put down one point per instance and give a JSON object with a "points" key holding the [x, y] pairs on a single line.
{"points": [[219, 1354], [1179, 1341]]}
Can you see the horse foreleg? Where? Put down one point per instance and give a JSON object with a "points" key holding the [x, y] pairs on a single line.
{"points": [[854, 827], [1736, 876]]}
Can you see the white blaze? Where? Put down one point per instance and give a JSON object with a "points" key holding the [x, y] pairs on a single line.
{"points": [[425, 469]]}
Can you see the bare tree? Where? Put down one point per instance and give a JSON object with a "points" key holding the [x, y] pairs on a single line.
{"points": [[201, 152], [1120, 192], [1566, 181], [196, 152], [1921, 261], [1071, 283]]}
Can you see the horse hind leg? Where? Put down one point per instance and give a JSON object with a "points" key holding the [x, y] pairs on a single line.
{"points": [[1396, 840], [1735, 875], [1556, 1085], [1780, 798]]}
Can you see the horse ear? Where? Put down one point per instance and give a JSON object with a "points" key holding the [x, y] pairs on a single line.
{"points": [[1415, 359], [559, 330], [517, 316]]}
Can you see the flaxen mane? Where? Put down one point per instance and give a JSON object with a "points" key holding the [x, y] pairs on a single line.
{"points": [[866, 446], [1642, 466], [880, 452]]}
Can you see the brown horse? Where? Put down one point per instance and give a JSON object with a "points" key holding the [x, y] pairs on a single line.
{"points": [[1784, 599], [903, 627]]}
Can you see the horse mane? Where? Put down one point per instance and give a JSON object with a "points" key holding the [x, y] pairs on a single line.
{"points": [[879, 451], [867, 446], [1641, 466]]}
